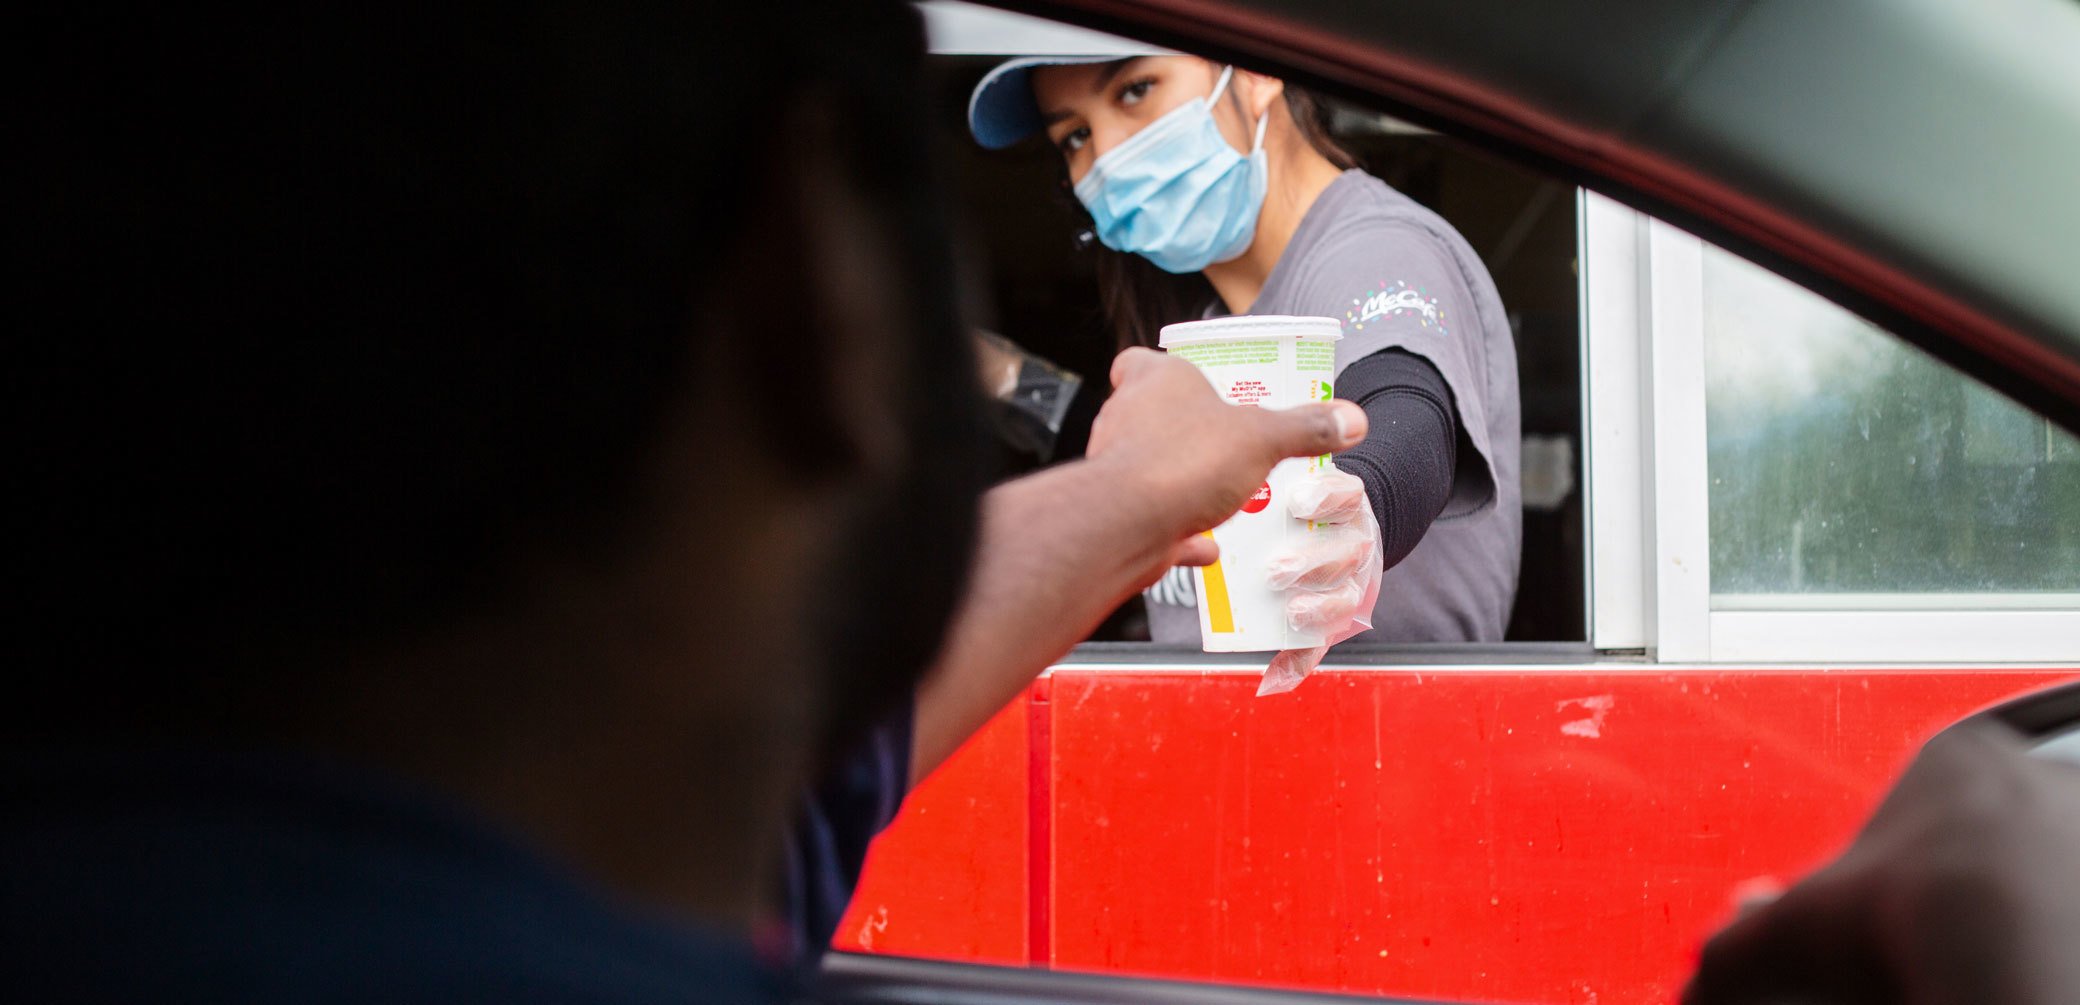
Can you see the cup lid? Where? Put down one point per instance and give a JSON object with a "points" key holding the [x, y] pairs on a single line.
{"points": [[1250, 326]]}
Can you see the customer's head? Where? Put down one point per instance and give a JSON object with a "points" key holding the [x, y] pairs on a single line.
{"points": [[452, 388]]}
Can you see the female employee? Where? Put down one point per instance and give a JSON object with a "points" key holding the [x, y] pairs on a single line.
{"points": [[1218, 191]]}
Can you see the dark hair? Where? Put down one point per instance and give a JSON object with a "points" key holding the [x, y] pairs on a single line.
{"points": [[1139, 298], [338, 311]]}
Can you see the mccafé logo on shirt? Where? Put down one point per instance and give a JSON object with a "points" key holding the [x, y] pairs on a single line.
{"points": [[1384, 302]]}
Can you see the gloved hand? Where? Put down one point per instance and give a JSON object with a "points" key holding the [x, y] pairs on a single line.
{"points": [[1334, 573]]}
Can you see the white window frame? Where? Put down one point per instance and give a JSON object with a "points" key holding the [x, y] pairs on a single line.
{"points": [[1648, 499]]}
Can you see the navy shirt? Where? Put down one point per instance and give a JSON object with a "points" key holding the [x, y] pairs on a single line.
{"points": [[172, 879], [836, 822]]}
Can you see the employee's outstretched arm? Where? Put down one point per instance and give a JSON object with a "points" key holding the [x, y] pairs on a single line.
{"points": [[1062, 548]]}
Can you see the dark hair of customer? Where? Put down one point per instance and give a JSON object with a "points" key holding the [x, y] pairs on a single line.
{"points": [[500, 397]]}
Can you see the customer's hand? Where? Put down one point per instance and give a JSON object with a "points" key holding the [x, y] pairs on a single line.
{"points": [[1333, 574], [1964, 887], [1168, 436]]}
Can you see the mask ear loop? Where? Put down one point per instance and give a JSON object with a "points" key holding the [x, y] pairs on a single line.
{"points": [[1228, 73]]}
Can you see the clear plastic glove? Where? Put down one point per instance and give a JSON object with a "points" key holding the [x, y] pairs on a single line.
{"points": [[1329, 558], [1334, 574]]}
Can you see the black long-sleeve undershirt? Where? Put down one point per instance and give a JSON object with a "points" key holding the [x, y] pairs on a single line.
{"points": [[1409, 457]]}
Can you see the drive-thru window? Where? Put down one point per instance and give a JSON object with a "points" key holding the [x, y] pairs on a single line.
{"points": [[1768, 549]]}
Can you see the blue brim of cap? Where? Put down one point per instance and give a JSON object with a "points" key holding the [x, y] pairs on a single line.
{"points": [[1001, 111]]}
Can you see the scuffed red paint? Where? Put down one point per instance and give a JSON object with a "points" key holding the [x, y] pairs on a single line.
{"points": [[948, 880], [1455, 835]]}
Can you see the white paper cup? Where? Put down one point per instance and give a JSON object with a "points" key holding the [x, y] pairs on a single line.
{"points": [[1269, 362]]}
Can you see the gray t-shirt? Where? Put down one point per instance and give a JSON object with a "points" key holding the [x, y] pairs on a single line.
{"points": [[1399, 276]]}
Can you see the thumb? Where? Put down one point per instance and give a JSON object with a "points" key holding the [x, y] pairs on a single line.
{"points": [[1310, 430]]}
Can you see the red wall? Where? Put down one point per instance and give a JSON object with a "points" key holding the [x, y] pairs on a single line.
{"points": [[1504, 835]]}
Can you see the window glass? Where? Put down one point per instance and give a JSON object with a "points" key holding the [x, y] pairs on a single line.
{"points": [[1844, 461]]}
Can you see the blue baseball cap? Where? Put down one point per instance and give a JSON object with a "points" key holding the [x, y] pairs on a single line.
{"points": [[1002, 111]]}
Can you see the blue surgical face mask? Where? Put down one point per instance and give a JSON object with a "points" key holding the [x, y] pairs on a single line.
{"points": [[1176, 193]]}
